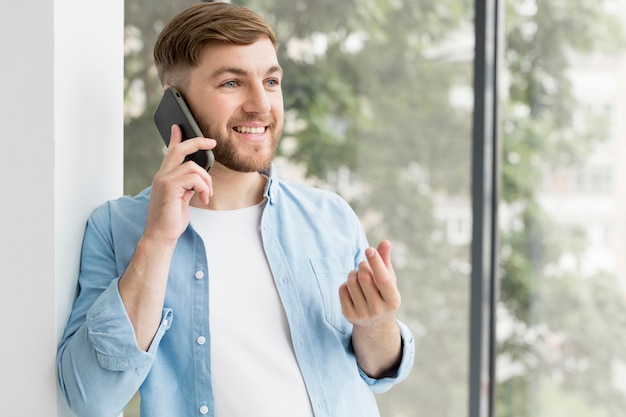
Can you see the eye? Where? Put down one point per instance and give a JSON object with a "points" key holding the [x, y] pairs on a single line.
{"points": [[230, 84], [272, 82]]}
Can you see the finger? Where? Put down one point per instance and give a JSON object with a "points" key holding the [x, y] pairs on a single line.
{"points": [[347, 305], [189, 146], [377, 263], [176, 135], [356, 292], [203, 185], [193, 145], [383, 274], [368, 286], [384, 249], [170, 161]]}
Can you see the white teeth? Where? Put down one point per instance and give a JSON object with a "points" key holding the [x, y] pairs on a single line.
{"points": [[250, 130]]}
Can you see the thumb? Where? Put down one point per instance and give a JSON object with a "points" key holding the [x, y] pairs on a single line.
{"points": [[176, 135]]}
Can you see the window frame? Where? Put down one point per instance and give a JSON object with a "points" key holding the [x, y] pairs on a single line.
{"points": [[486, 178]]}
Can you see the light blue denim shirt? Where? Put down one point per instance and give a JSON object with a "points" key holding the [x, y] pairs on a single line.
{"points": [[312, 239]]}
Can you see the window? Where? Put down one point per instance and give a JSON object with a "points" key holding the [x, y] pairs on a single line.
{"points": [[560, 351], [378, 98]]}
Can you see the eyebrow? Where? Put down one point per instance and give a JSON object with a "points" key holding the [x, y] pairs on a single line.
{"points": [[238, 71]]}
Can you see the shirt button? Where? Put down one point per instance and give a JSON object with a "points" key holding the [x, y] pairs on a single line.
{"points": [[201, 340], [199, 274], [204, 410]]}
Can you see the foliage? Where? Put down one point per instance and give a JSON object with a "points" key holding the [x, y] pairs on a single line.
{"points": [[367, 89], [544, 127]]}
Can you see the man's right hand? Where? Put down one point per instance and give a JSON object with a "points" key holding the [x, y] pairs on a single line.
{"points": [[173, 186], [143, 284]]}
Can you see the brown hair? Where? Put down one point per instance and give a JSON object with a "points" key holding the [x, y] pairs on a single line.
{"points": [[178, 45]]}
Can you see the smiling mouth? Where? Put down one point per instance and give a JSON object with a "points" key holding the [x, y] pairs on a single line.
{"points": [[249, 130]]}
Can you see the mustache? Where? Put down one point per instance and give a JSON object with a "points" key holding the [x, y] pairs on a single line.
{"points": [[266, 120]]}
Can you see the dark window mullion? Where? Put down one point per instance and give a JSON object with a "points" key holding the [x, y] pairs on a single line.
{"points": [[485, 187]]}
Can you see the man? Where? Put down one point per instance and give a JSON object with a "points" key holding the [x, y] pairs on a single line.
{"points": [[230, 293]]}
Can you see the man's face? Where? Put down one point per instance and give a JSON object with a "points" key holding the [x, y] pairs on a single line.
{"points": [[236, 97]]}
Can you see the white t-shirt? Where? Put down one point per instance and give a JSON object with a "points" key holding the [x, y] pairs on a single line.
{"points": [[254, 370]]}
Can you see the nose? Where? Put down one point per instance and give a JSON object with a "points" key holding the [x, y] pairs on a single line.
{"points": [[257, 100]]}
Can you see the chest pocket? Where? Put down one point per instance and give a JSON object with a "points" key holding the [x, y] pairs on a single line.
{"points": [[330, 273]]}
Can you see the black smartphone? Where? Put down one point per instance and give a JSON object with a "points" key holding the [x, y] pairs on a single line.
{"points": [[173, 110]]}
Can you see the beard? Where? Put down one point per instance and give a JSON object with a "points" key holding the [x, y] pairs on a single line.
{"points": [[228, 154]]}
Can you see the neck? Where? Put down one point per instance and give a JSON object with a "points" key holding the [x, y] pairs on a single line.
{"points": [[233, 190]]}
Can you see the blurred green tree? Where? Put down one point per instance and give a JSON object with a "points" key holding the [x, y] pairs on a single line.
{"points": [[369, 95], [553, 310]]}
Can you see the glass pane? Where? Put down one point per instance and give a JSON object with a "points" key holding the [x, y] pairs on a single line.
{"points": [[561, 348], [378, 99]]}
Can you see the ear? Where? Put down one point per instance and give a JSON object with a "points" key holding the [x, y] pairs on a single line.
{"points": [[166, 86]]}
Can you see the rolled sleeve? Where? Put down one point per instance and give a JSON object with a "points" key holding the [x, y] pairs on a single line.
{"points": [[406, 364], [112, 334]]}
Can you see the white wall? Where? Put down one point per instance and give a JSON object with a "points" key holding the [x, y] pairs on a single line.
{"points": [[61, 153]]}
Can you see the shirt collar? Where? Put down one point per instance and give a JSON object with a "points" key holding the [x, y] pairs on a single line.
{"points": [[271, 191]]}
